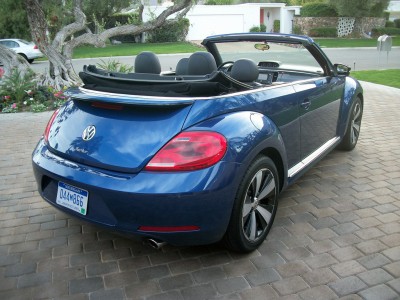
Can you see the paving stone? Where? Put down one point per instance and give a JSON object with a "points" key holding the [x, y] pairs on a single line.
{"points": [[53, 264], [215, 259], [176, 282], [142, 289], [322, 246], [208, 274], [344, 228], [346, 240], [85, 285], [348, 268], [393, 268], [240, 267], [296, 253], [320, 277], [395, 284], [320, 261], [262, 277], [381, 292], [230, 285], [84, 259], [347, 285], [115, 254], [199, 292], [50, 290], [369, 233], [322, 234], [372, 246], [346, 253], [114, 294], [184, 266], [392, 253], [34, 279], [321, 292], [292, 269], [373, 261], [173, 295], [374, 277], [266, 261], [264, 292], [20, 269], [391, 240], [326, 222], [101, 268], [290, 285], [153, 272]]}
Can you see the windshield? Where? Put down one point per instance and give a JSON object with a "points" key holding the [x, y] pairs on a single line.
{"points": [[270, 54]]}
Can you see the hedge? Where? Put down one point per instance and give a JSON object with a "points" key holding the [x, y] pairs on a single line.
{"points": [[318, 10], [387, 30], [323, 32], [397, 23], [173, 32]]}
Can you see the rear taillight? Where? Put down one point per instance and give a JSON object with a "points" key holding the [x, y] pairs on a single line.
{"points": [[35, 47], [49, 124], [189, 151]]}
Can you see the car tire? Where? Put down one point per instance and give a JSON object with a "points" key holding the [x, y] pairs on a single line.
{"points": [[254, 207], [30, 60], [350, 138]]}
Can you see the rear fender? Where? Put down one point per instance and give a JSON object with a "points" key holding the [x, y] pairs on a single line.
{"points": [[248, 134]]}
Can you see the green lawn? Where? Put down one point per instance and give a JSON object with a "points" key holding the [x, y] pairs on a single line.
{"points": [[129, 49], [344, 43], [385, 77]]}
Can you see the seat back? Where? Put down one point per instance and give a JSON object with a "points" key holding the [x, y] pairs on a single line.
{"points": [[182, 66], [245, 70], [147, 62], [201, 63]]}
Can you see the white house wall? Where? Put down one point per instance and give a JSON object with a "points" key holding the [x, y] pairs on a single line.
{"points": [[206, 20]]}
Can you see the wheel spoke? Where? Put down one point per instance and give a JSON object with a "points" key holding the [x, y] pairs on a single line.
{"points": [[253, 226], [264, 213], [357, 112], [258, 180], [246, 209], [268, 188]]}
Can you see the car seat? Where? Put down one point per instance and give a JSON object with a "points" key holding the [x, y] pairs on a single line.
{"points": [[201, 63], [147, 62], [245, 70]]}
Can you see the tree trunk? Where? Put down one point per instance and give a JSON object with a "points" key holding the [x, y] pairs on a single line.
{"points": [[12, 61], [59, 51]]}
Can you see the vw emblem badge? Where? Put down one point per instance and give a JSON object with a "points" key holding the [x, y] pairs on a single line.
{"points": [[88, 133]]}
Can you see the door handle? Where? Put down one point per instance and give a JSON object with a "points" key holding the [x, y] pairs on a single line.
{"points": [[306, 104]]}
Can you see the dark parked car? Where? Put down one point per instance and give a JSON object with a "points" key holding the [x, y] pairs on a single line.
{"points": [[200, 154]]}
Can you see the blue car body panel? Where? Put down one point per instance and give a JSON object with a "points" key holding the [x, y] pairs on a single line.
{"points": [[289, 122]]}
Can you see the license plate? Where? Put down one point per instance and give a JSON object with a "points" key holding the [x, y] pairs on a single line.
{"points": [[72, 197]]}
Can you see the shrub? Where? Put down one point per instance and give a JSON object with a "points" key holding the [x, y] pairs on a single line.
{"points": [[318, 10], [255, 29], [397, 23], [386, 15], [323, 32], [297, 30], [173, 32], [20, 93], [376, 32], [263, 28], [389, 24], [277, 26], [113, 65]]}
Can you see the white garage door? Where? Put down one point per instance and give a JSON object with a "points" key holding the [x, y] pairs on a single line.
{"points": [[206, 25]]}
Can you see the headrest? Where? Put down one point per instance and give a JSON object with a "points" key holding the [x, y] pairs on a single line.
{"points": [[147, 62], [244, 70], [201, 63]]}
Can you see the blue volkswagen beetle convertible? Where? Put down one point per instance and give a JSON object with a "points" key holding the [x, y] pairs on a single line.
{"points": [[199, 154]]}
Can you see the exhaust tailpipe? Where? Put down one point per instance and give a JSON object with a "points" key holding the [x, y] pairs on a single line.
{"points": [[156, 244]]}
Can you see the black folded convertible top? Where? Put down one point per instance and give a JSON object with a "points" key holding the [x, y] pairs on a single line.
{"points": [[213, 84]]}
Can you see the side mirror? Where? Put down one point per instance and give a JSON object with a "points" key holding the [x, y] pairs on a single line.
{"points": [[341, 69]]}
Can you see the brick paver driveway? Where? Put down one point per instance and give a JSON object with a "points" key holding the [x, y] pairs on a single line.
{"points": [[337, 233]]}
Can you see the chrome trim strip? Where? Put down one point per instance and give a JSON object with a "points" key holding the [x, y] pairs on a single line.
{"points": [[309, 159]]}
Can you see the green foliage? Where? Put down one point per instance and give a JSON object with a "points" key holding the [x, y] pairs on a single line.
{"points": [[219, 2], [255, 29], [170, 32], [386, 15], [277, 26], [360, 8], [19, 92], [397, 23], [318, 10], [389, 24], [263, 28], [323, 32], [376, 32], [385, 77], [297, 30], [113, 65], [13, 20]]}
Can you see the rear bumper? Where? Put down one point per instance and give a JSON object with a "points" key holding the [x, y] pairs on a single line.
{"points": [[124, 202]]}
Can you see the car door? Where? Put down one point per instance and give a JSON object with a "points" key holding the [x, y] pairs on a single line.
{"points": [[319, 101]]}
